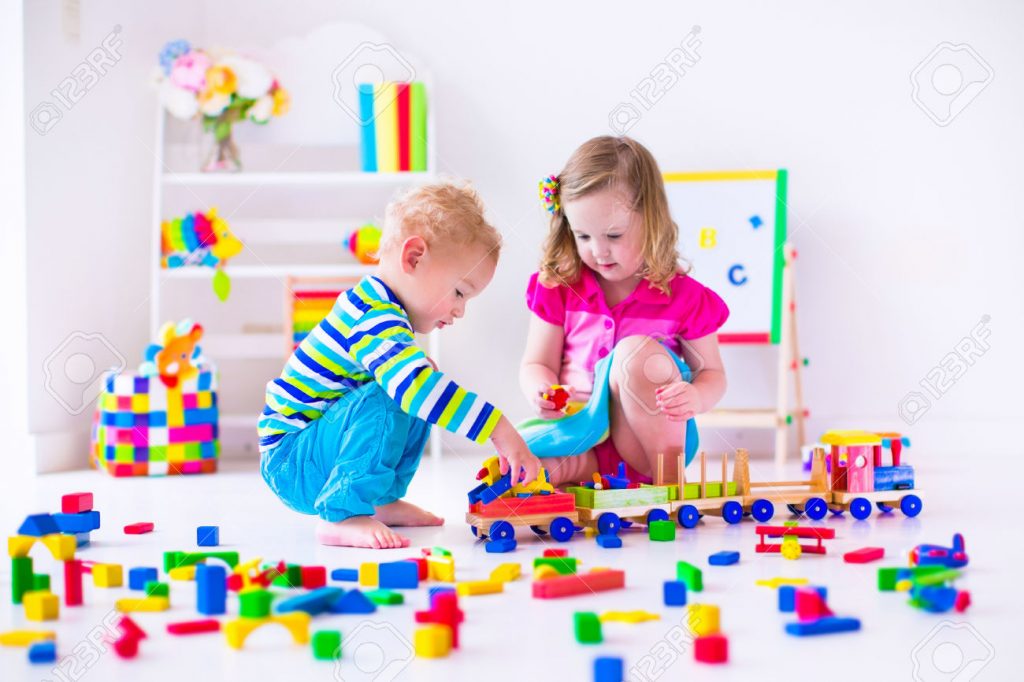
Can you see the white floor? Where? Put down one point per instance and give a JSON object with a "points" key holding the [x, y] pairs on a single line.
{"points": [[511, 636]]}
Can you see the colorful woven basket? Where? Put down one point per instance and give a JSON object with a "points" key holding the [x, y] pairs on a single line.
{"points": [[143, 428]]}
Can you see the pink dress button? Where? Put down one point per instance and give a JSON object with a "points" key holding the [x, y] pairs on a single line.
{"points": [[607, 324], [603, 352]]}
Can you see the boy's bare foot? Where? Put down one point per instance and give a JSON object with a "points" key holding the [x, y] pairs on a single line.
{"points": [[359, 531], [402, 513]]}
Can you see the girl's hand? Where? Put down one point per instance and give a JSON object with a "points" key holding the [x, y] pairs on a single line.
{"points": [[679, 401], [545, 408]]}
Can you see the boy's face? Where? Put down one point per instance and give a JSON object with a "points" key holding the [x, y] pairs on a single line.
{"points": [[443, 279]]}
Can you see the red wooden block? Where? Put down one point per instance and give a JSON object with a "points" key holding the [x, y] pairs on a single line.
{"points": [[556, 552], [810, 605], [444, 610], [963, 601], [524, 506], [76, 503], [864, 555], [127, 645], [314, 577], [421, 564], [138, 528], [73, 582], [711, 649], [193, 627], [235, 582], [578, 583]]}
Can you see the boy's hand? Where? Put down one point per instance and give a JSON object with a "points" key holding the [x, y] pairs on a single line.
{"points": [[545, 408], [513, 454], [679, 401]]}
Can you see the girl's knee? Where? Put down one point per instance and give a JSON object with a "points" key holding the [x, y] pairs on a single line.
{"points": [[644, 359]]}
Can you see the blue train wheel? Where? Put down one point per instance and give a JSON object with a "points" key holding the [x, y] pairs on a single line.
{"points": [[762, 510], [655, 515], [815, 509], [911, 505], [883, 507], [561, 529], [502, 530], [732, 512], [860, 508], [608, 524], [688, 516]]}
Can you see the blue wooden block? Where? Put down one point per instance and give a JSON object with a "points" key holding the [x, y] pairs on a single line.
{"points": [[211, 589], [787, 596], [82, 539], [77, 523], [38, 525], [675, 593], [434, 591], [345, 574], [314, 602], [609, 541], [398, 575], [499, 546], [724, 558], [353, 601], [822, 626], [208, 536], [500, 487], [608, 669], [42, 652], [140, 575]]}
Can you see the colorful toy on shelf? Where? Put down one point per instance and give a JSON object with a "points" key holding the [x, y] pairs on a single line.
{"points": [[164, 419], [936, 555], [200, 240], [393, 126], [364, 243]]}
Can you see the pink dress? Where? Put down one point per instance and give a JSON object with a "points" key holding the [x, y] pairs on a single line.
{"points": [[592, 329]]}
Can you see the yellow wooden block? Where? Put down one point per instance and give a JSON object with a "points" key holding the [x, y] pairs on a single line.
{"points": [[41, 605], [703, 619], [25, 637], [545, 571], [432, 641], [62, 547], [774, 583], [629, 616], [238, 630], [506, 572], [369, 575], [474, 587], [107, 575], [182, 573], [441, 569], [19, 545], [133, 604]]}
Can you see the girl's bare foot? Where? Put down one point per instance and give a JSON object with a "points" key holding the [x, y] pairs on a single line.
{"points": [[402, 513], [359, 531]]}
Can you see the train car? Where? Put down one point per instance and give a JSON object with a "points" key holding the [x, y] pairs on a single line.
{"points": [[859, 481]]}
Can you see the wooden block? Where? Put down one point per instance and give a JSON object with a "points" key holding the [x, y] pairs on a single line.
{"points": [[25, 637], [629, 616], [703, 619], [76, 503], [19, 545], [138, 528], [194, 627], [62, 547], [41, 605], [441, 569], [369, 574], [145, 604], [107, 575], [579, 583], [506, 572], [182, 573], [432, 641], [864, 555], [475, 587]]}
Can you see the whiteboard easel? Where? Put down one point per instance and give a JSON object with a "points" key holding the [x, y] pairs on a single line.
{"points": [[745, 212]]}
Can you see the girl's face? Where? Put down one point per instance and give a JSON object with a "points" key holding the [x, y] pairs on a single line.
{"points": [[609, 235]]}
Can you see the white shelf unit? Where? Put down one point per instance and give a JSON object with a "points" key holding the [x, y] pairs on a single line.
{"points": [[241, 352]]}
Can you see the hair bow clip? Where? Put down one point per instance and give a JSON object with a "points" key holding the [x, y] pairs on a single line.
{"points": [[549, 193]]}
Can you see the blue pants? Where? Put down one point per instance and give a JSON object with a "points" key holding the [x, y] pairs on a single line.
{"points": [[362, 453]]}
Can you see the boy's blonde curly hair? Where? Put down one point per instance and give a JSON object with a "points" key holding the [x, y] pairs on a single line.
{"points": [[445, 214], [624, 164]]}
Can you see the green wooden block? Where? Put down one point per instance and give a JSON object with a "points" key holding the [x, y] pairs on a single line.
{"points": [[385, 597], [254, 603], [691, 575], [624, 497], [292, 576], [563, 564], [936, 578], [691, 491], [155, 588], [588, 627], [176, 559], [22, 577], [326, 645], [439, 551], [662, 531], [584, 496], [41, 581]]}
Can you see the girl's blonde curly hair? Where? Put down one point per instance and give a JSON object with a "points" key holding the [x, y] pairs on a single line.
{"points": [[623, 164]]}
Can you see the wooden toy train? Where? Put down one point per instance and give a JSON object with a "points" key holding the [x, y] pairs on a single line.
{"points": [[850, 478]]}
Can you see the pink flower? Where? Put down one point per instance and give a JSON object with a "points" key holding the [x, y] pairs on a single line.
{"points": [[189, 70]]}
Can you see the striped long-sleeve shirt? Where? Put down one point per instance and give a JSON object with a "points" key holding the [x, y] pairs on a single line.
{"points": [[367, 337]]}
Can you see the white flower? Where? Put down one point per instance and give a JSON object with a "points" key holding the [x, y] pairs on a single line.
{"points": [[262, 109], [179, 102], [254, 80], [215, 104]]}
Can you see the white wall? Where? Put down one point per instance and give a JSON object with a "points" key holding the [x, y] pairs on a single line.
{"points": [[908, 232]]}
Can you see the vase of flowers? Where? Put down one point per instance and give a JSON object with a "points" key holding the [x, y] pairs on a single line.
{"points": [[222, 89]]}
